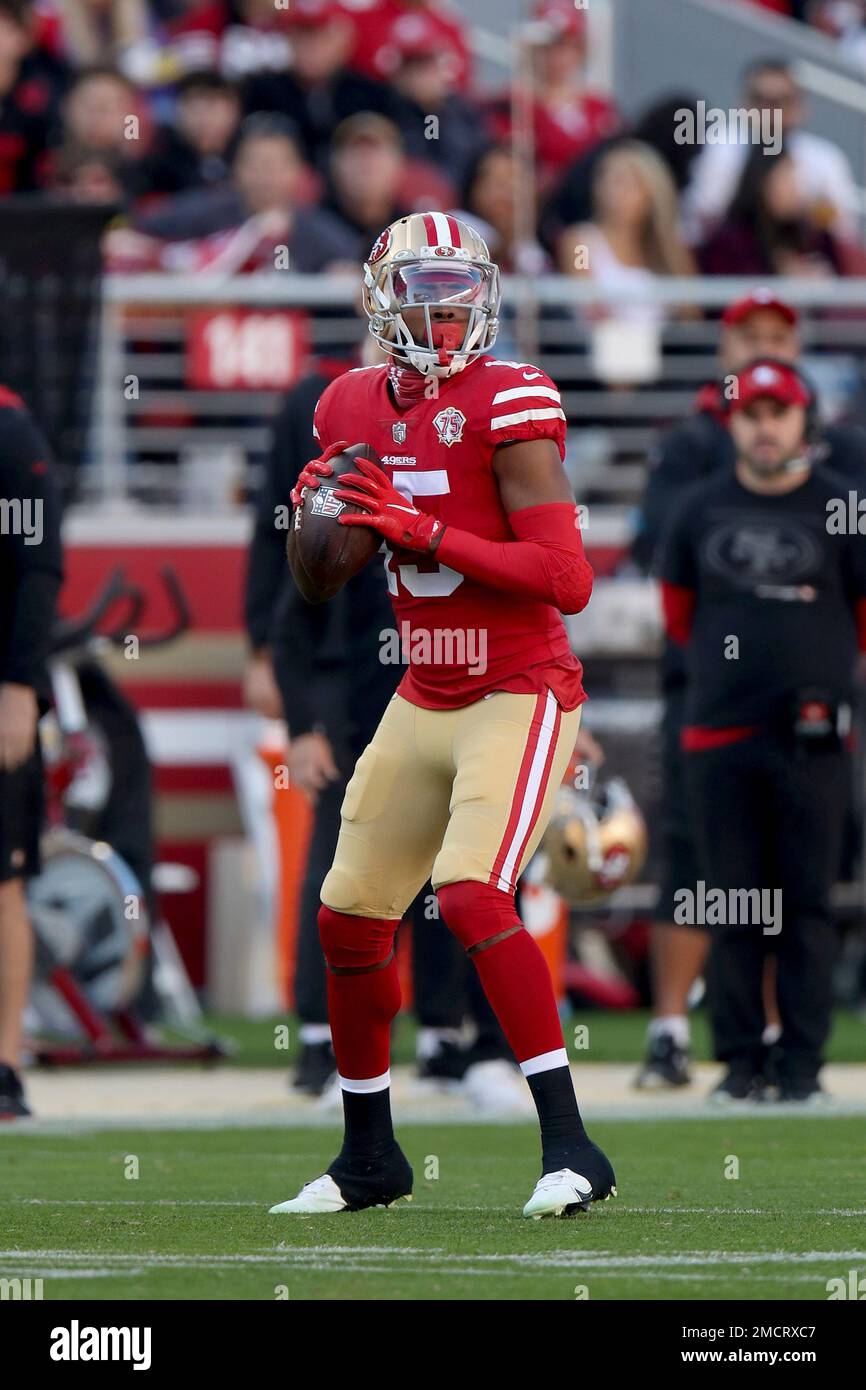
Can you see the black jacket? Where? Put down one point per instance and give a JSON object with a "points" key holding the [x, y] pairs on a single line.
{"points": [[31, 558], [326, 656]]}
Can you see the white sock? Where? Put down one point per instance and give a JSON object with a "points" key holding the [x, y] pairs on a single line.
{"points": [[771, 1034], [312, 1033], [675, 1026]]}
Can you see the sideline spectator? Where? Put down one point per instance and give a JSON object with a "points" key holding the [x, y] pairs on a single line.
{"points": [[823, 172]]}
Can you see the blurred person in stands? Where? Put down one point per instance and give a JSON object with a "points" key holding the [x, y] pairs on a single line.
{"points": [[760, 325], [570, 199], [241, 227], [849, 22], [824, 174], [568, 119], [488, 204], [384, 25], [102, 112], [88, 176], [752, 556], [195, 149], [31, 570], [366, 177], [769, 228], [437, 123], [320, 90], [32, 82], [101, 33], [633, 235], [238, 37]]}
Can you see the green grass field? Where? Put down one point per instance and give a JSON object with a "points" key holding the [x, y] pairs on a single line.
{"points": [[194, 1223], [613, 1037]]}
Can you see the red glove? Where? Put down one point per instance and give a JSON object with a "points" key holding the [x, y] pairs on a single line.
{"points": [[312, 472], [386, 510]]}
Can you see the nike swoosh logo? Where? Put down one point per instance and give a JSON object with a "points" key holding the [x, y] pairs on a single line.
{"points": [[532, 376], [392, 507]]}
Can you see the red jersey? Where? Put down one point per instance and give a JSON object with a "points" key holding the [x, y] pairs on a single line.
{"points": [[462, 639]]}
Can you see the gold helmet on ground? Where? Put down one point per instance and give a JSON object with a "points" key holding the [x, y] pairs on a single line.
{"points": [[432, 260], [595, 843]]}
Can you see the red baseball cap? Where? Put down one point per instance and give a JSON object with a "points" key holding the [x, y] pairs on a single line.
{"points": [[416, 36], [562, 19], [758, 299], [769, 379], [311, 14]]}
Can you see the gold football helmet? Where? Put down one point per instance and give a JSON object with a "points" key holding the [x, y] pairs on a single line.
{"points": [[432, 260], [595, 843]]}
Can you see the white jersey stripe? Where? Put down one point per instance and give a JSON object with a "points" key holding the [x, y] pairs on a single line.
{"points": [[443, 231], [366, 1086], [517, 393], [530, 796], [520, 417], [545, 1061]]}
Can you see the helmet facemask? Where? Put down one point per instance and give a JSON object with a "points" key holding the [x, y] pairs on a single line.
{"points": [[446, 346]]}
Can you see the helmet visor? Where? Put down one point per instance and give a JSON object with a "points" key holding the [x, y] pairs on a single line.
{"points": [[455, 286]]}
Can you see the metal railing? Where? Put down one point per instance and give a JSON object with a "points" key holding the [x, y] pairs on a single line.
{"points": [[154, 429]]}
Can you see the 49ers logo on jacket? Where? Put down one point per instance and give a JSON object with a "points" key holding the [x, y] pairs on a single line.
{"points": [[449, 425]]}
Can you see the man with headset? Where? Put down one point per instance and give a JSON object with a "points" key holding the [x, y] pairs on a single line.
{"points": [[759, 325], [764, 584]]}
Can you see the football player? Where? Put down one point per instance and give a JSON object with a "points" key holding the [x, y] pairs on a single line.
{"points": [[483, 553]]}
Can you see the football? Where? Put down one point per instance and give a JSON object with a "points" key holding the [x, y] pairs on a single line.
{"points": [[330, 553]]}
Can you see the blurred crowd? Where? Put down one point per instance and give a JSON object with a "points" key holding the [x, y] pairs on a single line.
{"points": [[224, 129]]}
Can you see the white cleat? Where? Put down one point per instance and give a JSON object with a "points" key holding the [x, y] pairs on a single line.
{"points": [[559, 1194], [321, 1197]]}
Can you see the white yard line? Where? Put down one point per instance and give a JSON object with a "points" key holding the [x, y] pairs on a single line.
{"points": [[331, 1257]]}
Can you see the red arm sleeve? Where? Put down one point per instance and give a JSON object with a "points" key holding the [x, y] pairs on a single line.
{"points": [[678, 606], [545, 562]]}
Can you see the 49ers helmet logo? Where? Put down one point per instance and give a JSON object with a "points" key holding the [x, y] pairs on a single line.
{"points": [[380, 246], [449, 425]]}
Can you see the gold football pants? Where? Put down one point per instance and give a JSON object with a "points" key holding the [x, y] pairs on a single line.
{"points": [[448, 795]]}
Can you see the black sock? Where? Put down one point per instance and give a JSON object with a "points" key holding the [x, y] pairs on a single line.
{"points": [[562, 1131], [369, 1132]]}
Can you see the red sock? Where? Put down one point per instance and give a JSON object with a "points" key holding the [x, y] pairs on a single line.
{"points": [[513, 972], [363, 992]]}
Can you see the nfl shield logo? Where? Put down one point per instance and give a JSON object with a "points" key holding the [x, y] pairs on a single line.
{"points": [[449, 425], [398, 433], [325, 503]]}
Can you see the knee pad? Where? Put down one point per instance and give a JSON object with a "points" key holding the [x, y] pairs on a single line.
{"points": [[478, 914], [355, 943]]}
